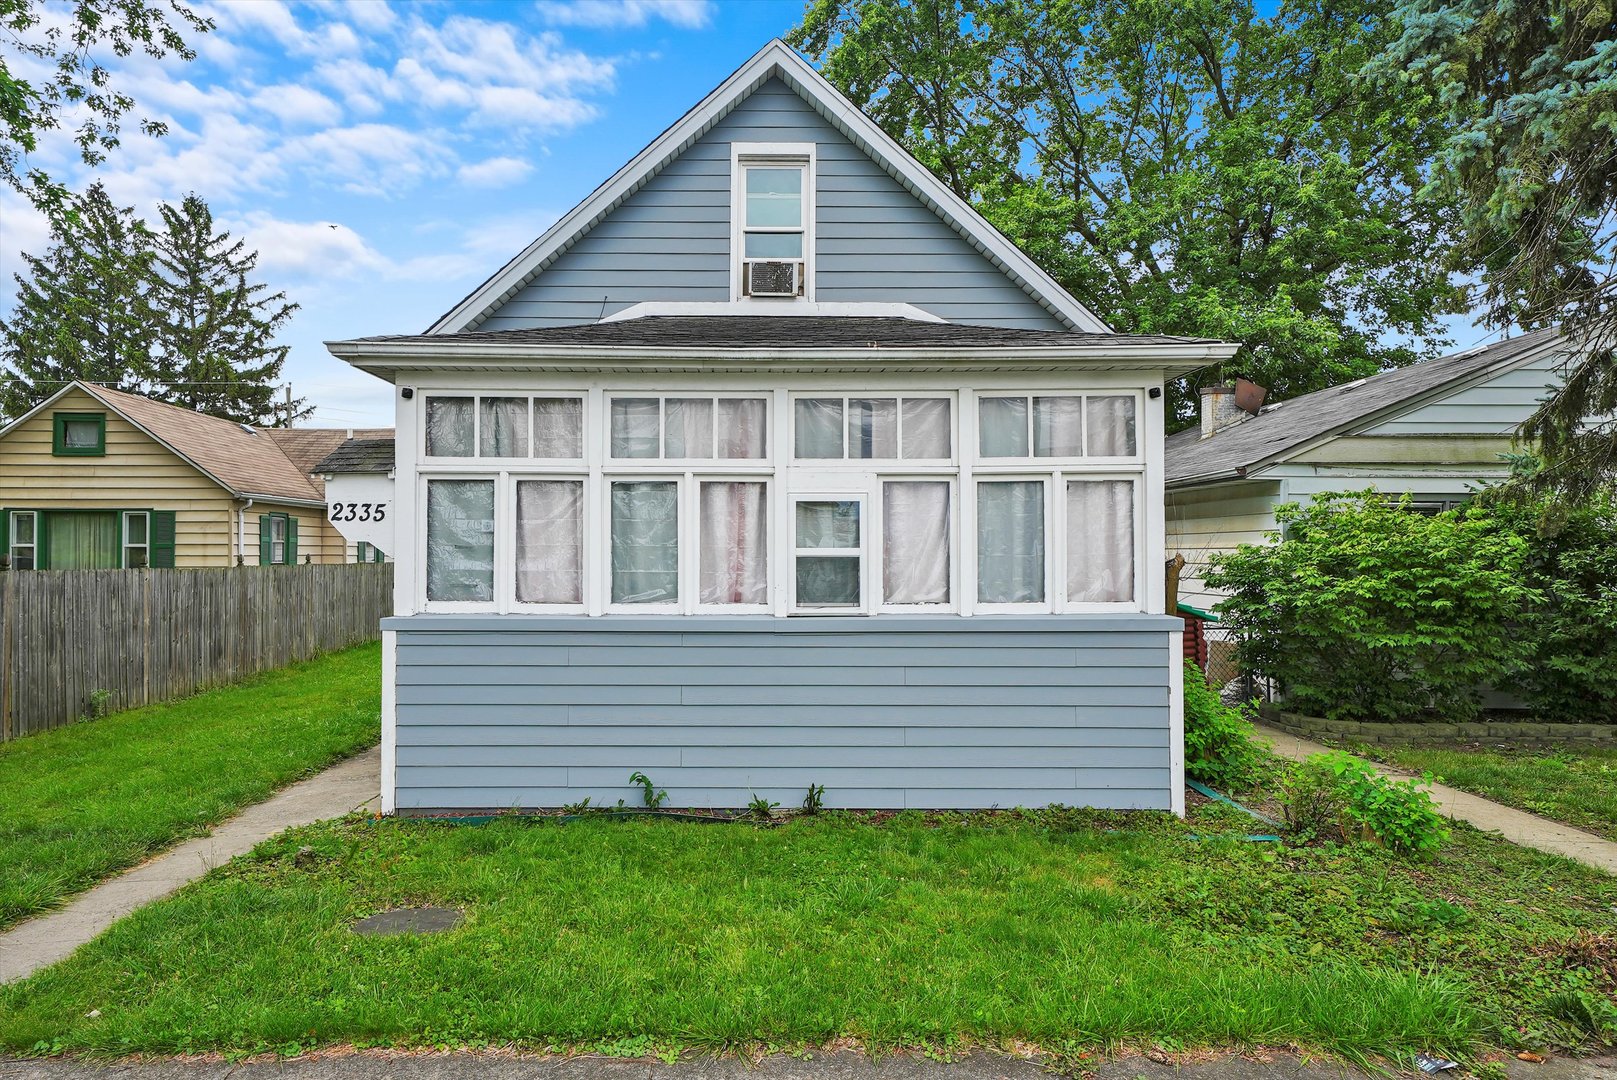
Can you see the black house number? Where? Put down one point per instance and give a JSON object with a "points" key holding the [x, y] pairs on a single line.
{"points": [[358, 511]]}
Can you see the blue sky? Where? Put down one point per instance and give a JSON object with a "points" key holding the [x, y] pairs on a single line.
{"points": [[440, 138]]}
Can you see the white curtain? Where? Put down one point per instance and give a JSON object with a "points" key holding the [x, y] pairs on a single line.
{"points": [[1100, 541], [915, 542], [558, 428], [1002, 426], [743, 427], [460, 540], [734, 545], [1010, 542], [688, 428], [1058, 427], [926, 428], [873, 428], [634, 427], [449, 426], [645, 542], [550, 541], [819, 427], [503, 427], [1111, 426]]}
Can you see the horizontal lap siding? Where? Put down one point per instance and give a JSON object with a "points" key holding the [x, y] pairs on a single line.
{"points": [[1494, 407], [670, 241], [967, 716]]}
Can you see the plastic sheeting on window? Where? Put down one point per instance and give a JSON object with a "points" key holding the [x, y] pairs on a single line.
{"points": [[915, 541], [449, 426], [635, 427], [550, 541], [873, 428], [1058, 427], [1111, 426], [688, 428], [502, 427], [1010, 542], [828, 524], [743, 427], [460, 539], [828, 581], [734, 543], [819, 427], [558, 428], [1002, 427], [1100, 541], [925, 428], [645, 542]]}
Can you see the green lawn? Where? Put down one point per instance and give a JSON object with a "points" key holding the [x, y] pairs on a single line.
{"points": [[1576, 786], [80, 802], [656, 936]]}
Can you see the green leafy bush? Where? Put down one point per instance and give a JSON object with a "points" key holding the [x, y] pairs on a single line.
{"points": [[1336, 796], [1219, 749], [1360, 609]]}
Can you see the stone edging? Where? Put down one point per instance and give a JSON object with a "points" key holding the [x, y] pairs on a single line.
{"points": [[1511, 732]]}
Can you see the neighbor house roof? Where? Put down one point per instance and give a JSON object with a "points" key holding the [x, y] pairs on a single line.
{"points": [[359, 455], [306, 447], [1288, 427], [774, 60]]}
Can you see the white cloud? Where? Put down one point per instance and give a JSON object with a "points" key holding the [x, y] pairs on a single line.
{"points": [[297, 106], [307, 249], [621, 14], [371, 159], [275, 19], [494, 172]]}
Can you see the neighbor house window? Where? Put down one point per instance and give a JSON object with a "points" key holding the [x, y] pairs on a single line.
{"points": [[368, 553], [829, 554], [504, 426], [137, 539], [24, 532], [890, 428], [79, 434], [277, 539]]}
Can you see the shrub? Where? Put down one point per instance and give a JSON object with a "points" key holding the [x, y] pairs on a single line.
{"points": [[1335, 796], [1218, 740], [1360, 609]]}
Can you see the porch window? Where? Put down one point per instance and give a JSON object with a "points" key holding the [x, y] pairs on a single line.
{"points": [[1056, 426], [460, 540], [1010, 542], [734, 537], [689, 428], [550, 542], [1100, 541], [890, 428], [645, 542], [829, 554], [915, 541], [504, 426]]}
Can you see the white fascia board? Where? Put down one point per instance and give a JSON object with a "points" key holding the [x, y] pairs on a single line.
{"points": [[787, 309], [775, 58]]}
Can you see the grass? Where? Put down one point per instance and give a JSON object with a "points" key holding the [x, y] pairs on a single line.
{"points": [[652, 936], [1576, 786], [85, 801]]}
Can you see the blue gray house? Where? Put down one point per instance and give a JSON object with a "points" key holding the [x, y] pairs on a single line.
{"points": [[773, 464]]}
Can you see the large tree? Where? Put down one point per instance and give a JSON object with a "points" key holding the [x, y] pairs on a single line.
{"points": [[82, 308], [1181, 167], [50, 75], [1530, 159], [213, 329]]}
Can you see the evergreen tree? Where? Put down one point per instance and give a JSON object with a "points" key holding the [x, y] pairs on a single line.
{"points": [[82, 309], [214, 327]]}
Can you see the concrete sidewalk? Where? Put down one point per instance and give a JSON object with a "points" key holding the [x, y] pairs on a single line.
{"points": [[839, 1065], [1517, 826], [42, 941]]}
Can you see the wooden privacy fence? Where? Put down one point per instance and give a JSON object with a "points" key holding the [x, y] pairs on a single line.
{"points": [[70, 639]]}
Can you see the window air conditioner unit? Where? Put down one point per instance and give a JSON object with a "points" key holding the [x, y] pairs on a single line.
{"points": [[772, 277]]}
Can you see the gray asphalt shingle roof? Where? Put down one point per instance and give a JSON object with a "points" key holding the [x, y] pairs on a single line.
{"points": [[1291, 424], [358, 456]]}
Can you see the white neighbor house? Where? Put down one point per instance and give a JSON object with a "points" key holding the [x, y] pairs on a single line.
{"points": [[1437, 431], [773, 464]]}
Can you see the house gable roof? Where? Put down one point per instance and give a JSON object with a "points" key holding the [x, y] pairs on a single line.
{"points": [[775, 60], [1288, 427], [359, 455]]}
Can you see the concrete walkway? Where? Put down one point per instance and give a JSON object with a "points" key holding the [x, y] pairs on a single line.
{"points": [[1517, 826], [42, 941], [838, 1065]]}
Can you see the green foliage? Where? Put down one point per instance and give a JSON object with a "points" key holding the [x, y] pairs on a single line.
{"points": [[1189, 168], [1336, 796], [814, 801], [1219, 749], [77, 88], [648, 791], [761, 808], [1530, 92], [1368, 611]]}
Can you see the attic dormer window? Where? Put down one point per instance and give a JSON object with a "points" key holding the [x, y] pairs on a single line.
{"points": [[773, 221]]}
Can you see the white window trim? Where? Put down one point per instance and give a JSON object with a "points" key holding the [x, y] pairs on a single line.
{"points": [[11, 534], [952, 540], [770, 153], [485, 463], [1059, 491], [1043, 463], [866, 598], [505, 574], [503, 549], [145, 546], [900, 396]]}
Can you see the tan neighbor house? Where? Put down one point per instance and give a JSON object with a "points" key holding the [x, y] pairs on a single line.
{"points": [[98, 478]]}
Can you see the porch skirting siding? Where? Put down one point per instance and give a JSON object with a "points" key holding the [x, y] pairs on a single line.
{"points": [[499, 711]]}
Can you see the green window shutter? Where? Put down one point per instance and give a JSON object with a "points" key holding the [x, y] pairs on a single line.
{"points": [[263, 539], [291, 540], [5, 533], [160, 539]]}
